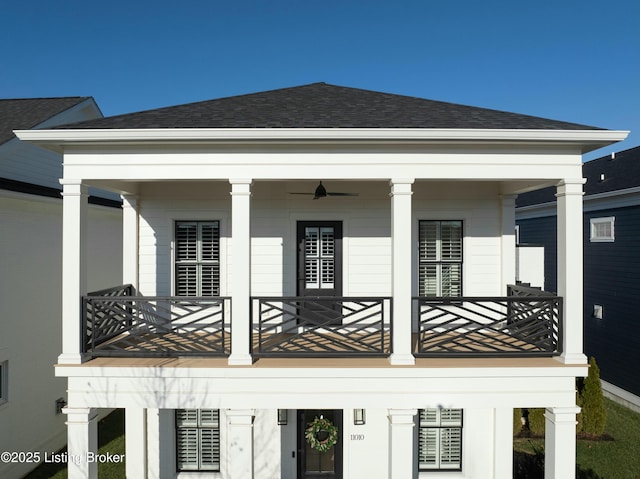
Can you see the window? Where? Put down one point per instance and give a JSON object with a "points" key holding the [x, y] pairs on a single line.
{"points": [[440, 439], [198, 439], [197, 257], [440, 258], [602, 229], [4, 379]]}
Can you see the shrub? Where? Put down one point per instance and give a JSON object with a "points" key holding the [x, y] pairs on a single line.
{"points": [[594, 415], [517, 421], [536, 421]]}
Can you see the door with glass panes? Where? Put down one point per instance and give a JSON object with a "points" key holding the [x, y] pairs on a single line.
{"points": [[319, 271]]}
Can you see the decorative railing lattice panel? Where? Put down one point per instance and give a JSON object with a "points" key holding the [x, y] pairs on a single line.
{"points": [[129, 326], [326, 327], [529, 324]]}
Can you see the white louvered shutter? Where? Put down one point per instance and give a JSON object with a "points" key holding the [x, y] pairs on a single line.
{"points": [[197, 256], [440, 439], [198, 439], [440, 258]]}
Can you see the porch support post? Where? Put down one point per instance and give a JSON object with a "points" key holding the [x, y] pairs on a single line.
{"points": [[135, 423], [401, 447], [560, 442], [401, 271], [570, 280], [508, 241], [82, 439], [240, 443], [130, 240], [74, 267], [503, 447], [240, 272]]}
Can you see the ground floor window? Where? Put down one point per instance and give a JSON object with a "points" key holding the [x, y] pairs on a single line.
{"points": [[198, 439], [440, 439]]}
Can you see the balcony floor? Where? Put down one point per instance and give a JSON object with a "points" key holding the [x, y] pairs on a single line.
{"points": [[194, 344]]}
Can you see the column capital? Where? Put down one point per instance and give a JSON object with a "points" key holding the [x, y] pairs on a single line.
{"points": [[401, 186], [570, 186], [73, 187], [241, 416], [402, 416], [240, 186]]}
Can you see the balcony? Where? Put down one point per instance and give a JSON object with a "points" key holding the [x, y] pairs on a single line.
{"points": [[118, 323]]}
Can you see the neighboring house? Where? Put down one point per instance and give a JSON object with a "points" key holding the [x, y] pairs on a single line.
{"points": [[321, 252], [31, 397], [611, 264]]}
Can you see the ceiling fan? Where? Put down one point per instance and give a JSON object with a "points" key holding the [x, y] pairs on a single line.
{"points": [[321, 192]]}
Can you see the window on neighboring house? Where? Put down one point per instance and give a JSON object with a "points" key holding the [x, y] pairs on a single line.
{"points": [[4, 379], [440, 439], [440, 258], [198, 439], [602, 229], [197, 258]]}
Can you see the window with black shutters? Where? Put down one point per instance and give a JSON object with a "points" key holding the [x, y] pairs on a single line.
{"points": [[198, 439], [440, 258], [197, 258]]}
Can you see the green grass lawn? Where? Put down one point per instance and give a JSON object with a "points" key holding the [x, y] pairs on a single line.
{"points": [[110, 440], [615, 458]]}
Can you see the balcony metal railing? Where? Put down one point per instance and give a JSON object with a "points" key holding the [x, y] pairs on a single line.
{"points": [[526, 323], [118, 323], [319, 326]]}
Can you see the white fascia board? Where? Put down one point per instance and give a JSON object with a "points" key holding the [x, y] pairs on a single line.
{"points": [[587, 140]]}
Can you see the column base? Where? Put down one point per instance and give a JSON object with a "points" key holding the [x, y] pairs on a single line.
{"points": [[73, 358], [240, 360], [573, 358], [402, 360]]}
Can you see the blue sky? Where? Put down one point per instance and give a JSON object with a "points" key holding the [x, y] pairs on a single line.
{"points": [[573, 60]]}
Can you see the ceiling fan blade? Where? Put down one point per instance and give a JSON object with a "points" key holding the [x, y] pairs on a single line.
{"points": [[331, 193]]}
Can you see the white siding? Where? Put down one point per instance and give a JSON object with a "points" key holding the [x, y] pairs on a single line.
{"points": [[30, 285], [366, 236]]}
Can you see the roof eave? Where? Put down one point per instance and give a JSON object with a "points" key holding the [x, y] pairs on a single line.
{"points": [[56, 140]]}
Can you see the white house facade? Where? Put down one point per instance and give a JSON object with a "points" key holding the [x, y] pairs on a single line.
{"points": [[31, 397], [320, 282]]}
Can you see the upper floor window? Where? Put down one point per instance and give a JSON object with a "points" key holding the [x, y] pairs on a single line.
{"points": [[440, 439], [602, 229], [197, 258], [198, 439], [440, 258]]}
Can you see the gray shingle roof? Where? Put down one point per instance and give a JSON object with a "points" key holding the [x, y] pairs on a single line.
{"points": [[27, 113], [319, 105], [620, 173]]}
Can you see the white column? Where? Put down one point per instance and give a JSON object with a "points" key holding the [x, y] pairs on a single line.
{"points": [[240, 443], [508, 241], [401, 270], [136, 444], [570, 280], [401, 443], [240, 272], [130, 240], [74, 267], [560, 442], [82, 439], [503, 446]]}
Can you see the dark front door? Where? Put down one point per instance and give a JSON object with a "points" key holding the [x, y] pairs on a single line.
{"points": [[319, 270], [314, 464]]}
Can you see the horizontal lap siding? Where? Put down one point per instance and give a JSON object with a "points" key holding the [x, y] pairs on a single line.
{"points": [[612, 276], [366, 242]]}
